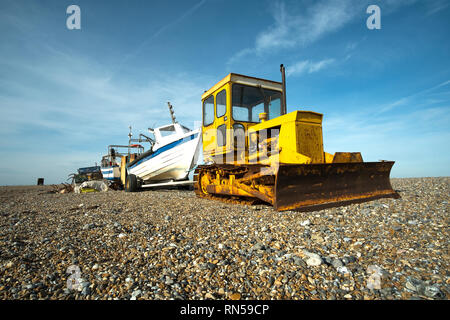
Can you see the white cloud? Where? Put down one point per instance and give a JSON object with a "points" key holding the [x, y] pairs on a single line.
{"points": [[60, 110], [172, 23], [412, 133], [436, 6], [292, 30], [77, 87], [413, 140], [413, 98], [289, 30], [240, 55], [69, 109], [318, 20], [307, 66]]}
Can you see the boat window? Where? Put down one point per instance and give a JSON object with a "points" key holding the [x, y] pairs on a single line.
{"points": [[221, 103], [221, 135], [185, 130], [167, 131], [208, 111], [104, 162], [248, 102]]}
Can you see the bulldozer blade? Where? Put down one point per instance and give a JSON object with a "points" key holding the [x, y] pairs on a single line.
{"points": [[312, 187]]}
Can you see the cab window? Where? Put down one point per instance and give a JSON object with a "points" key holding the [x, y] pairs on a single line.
{"points": [[274, 109], [221, 135], [238, 136], [248, 102], [221, 103], [208, 111]]}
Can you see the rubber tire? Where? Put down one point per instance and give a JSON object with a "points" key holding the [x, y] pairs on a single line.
{"points": [[131, 184]]}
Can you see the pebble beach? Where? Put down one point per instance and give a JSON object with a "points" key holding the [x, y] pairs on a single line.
{"points": [[169, 244]]}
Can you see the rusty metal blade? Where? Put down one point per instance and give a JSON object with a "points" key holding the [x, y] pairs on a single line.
{"points": [[319, 186]]}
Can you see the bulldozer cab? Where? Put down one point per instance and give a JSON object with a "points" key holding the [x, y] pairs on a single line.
{"points": [[230, 108]]}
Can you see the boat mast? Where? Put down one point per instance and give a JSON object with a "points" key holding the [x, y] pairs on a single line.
{"points": [[172, 113]]}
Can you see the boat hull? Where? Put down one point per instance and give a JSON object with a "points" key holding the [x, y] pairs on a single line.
{"points": [[170, 162], [111, 173]]}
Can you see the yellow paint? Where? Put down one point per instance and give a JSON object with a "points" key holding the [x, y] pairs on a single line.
{"points": [[123, 169], [328, 157]]}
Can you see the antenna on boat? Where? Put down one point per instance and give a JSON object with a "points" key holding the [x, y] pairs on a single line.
{"points": [[172, 113], [130, 134]]}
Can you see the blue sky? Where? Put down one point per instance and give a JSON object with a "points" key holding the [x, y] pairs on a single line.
{"points": [[65, 95]]}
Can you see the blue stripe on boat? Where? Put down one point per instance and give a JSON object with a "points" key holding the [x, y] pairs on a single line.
{"points": [[108, 170], [165, 148]]}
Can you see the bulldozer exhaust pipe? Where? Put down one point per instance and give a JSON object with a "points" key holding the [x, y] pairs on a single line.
{"points": [[283, 81]]}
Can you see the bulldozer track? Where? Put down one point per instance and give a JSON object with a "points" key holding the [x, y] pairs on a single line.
{"points": [[229, 169]]}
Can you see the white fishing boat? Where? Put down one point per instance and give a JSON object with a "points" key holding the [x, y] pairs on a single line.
{"points": [[171, 158], [169, 161]]}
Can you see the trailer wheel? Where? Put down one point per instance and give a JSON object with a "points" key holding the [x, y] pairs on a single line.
{"points": [[131, 184]]}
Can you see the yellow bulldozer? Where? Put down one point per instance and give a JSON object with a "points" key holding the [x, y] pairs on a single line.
{"points": [[254, 151]]}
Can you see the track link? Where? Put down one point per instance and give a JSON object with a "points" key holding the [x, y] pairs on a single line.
{"points": [[228, 169]]}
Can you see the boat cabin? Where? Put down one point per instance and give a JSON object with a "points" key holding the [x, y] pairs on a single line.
{"points": [[167, 134]]}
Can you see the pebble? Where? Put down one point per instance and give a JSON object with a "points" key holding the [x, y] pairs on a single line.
{"points": [[136, 293], [313, 259], [317, 238], [89, 226], [258, 246], [235, 296], [347, 260], [299, 261], [183, 247], [209, 296], [343, 270], [337, 263], [85, 291], [434, 292], [306, 222], [413, 284]]}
